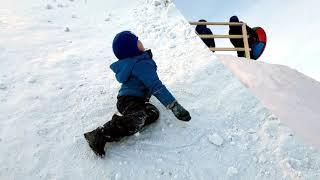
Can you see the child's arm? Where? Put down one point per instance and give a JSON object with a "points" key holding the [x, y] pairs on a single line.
{"points": [[146, 72]]}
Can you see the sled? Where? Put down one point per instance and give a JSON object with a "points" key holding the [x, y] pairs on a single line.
{"points": [[259, 47]]}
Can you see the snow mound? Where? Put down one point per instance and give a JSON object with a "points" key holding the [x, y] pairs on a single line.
{"points": [[56, 85], [290, 95]]}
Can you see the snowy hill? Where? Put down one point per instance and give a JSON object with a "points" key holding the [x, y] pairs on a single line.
{"points": [[55, 84], [290, 95]]}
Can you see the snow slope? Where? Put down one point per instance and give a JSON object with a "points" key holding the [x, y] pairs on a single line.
{"points": [[56, 85], [290, 95]]}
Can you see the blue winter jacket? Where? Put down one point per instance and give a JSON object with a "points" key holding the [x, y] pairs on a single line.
{"points": [[138, 76]]}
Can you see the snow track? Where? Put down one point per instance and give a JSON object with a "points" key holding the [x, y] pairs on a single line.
{"points": [[56, 85]]}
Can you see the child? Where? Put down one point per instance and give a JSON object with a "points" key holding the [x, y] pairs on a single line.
{"points": [[237, 30], [204, 30], [136, 70]]}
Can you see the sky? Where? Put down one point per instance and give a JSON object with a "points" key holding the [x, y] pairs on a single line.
{"points": [[291, 26]]}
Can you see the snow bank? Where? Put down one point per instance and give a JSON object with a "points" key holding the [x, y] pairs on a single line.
{"points": [[289, 94], [56, 85]]}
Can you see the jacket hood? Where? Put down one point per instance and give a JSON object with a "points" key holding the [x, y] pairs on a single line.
{"points": [[123, 68]]}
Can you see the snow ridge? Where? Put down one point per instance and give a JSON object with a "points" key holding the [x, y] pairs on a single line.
{"points": [[289, 94]]}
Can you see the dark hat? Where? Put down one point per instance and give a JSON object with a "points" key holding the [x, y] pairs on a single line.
{"points": [[125, 44], [234, 19], [202, 20]]}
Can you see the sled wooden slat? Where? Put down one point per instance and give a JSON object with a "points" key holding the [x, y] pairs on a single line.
{"points": [[245, 41], [218, 23], [221, 36], [228, 49]]}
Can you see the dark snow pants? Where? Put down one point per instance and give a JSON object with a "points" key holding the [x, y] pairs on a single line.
{"points": [[137, 112], [235, 30]]}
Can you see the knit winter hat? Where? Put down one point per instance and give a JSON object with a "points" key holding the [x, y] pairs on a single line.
{"points": [[234, 19], [202, 20], [125, 44]]}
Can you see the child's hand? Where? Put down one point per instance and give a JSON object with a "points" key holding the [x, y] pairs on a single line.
{"points": [[181, 113]]}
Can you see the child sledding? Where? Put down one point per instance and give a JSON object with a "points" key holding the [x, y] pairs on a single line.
{"points": [[248, 42], [257, 39]]}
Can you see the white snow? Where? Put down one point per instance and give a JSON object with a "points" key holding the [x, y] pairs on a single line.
{"points": [[137, 134], [262, 159], [215, 139], [232, 171], [290, 95], [56, 85]]}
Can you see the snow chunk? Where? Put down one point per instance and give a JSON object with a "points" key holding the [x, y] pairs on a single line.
{"points": [[232, 171], [272, 117], [252, 131], [157, 3], [167, 2], [67, 29], [215, 139]]}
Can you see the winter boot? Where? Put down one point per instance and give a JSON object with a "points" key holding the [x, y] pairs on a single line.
{"points": [[114, 130], [97, 141]]}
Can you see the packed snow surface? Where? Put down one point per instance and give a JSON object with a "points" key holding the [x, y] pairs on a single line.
{"points": [[56, 84], [289, 94]]}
